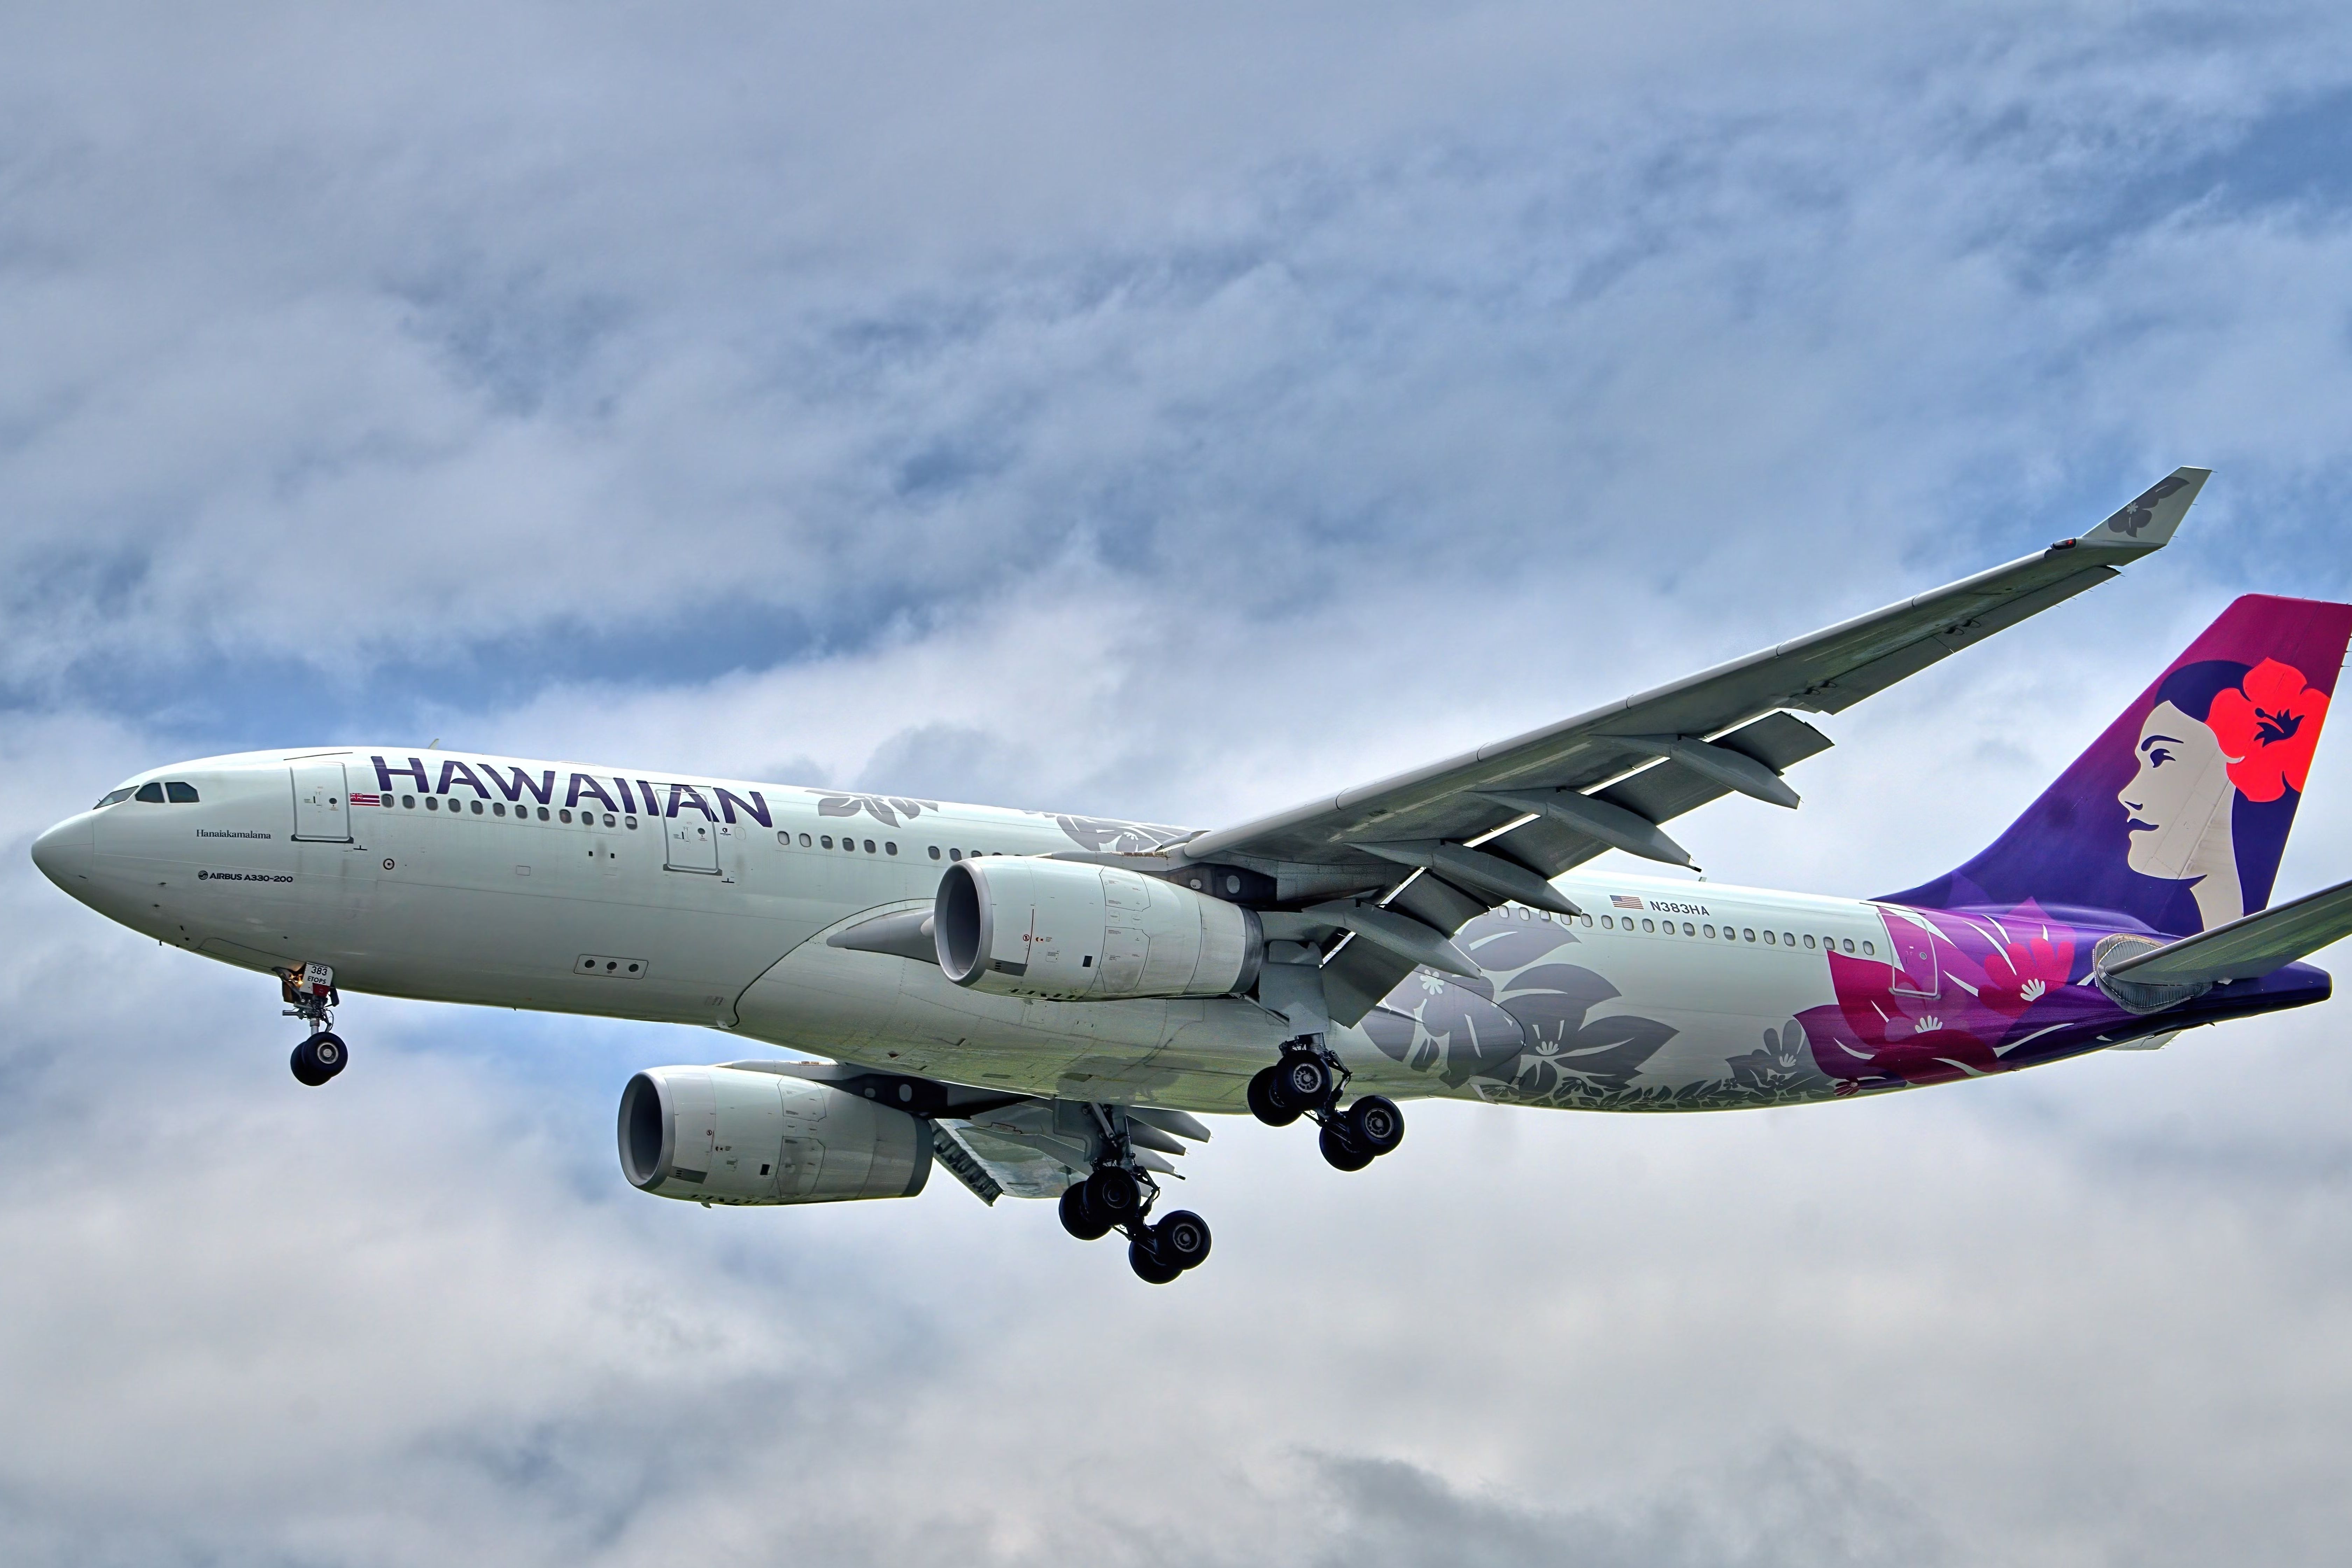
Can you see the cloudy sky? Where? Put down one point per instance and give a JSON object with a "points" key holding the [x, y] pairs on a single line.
{"points": [[1167, 413]]}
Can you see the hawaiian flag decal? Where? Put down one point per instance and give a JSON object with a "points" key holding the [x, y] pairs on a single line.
{"points": [[358, 799]]}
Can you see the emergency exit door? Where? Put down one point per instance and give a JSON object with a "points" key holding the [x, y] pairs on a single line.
{"points": [[692, 845], [323, 809]]}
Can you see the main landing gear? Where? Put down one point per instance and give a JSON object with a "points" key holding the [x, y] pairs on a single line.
{"points": [[1308, 1081], [311, 996], [1117, 1194]]}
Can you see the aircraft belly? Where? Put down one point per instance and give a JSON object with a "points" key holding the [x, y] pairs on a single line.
{"points": [[901, 1016]]}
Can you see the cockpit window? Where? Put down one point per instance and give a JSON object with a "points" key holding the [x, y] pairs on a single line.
{"points": [[180, 793], [153, 793], [114, 797]]}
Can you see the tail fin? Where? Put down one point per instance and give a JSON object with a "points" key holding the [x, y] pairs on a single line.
{"points": [[2176, 815]]}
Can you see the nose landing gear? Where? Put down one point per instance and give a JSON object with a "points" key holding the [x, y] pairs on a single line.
{"points": [[1307, 1081], [1119, 1195], [311, 995]]}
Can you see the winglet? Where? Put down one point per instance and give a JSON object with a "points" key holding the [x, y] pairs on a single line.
{"points": [[2147, 522]]}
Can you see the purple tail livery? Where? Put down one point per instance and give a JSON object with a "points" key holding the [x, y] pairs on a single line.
{"points": [[2175, 819]]}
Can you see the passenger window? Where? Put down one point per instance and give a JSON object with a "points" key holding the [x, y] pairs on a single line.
{"points": [[805, 841], [1768, 939], [153, 793], [869, 847], [1687, 931], [630, 823], [1748, 934], [478, 809], [432, 804], [1848, 944], [955, 854], [935, 851], [563, 815], [1649, 925], [608, 819], [498, 808], [890, 845], [1706, 931], [1869, 949], [542, 813], [826, 841], [1809, 941], [1607, 922], [180, 793], [408, 803]]}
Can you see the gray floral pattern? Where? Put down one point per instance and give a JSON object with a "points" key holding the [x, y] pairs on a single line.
{"points": [[886, 809], [1108, 834], [1536, 1029]]}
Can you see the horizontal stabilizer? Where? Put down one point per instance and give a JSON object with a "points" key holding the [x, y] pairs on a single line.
{"points": [[2244, 949]]}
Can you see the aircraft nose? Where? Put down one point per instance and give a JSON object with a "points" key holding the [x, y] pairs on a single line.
{"points": [[64, 854]]}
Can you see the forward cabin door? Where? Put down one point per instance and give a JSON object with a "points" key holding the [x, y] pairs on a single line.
{"points": [[323, 809]]}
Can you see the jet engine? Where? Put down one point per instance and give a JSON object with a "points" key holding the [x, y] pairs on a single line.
{"points": [[1027, 926], [731, 1135]]}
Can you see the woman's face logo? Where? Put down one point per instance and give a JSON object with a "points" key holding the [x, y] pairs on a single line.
{"points": [[2179, 802], [2218, 732]]}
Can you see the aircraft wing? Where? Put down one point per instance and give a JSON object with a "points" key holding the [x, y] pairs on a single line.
{"points": [[1441, 844]]}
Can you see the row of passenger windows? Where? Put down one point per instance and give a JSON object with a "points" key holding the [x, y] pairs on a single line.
{"points": [[521, 813], [1734, 933], [890, 847], [165, 793], [1688, 928]]}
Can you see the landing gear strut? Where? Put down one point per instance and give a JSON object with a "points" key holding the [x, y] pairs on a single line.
{"points": [[1307, 1081], [1119, 1195], [311, 996]]}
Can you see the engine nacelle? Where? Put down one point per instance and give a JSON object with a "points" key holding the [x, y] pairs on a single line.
{"points": [[1027, 926], [726, 1135]]}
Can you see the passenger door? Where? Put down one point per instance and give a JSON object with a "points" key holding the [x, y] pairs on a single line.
{"points": [[322, 811], [1911, 946]]}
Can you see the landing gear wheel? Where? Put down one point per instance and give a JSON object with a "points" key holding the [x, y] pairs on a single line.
{"points": [[1113, 1196], [1182, 1239], [319, 1059], [1149, 1265], [1341, 1150], [1261, 1104], [1301, 1080], [1077, 1219], [1375, 1124]]}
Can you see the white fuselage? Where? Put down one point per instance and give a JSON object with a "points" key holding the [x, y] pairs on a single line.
{"points": [[516, 883]]}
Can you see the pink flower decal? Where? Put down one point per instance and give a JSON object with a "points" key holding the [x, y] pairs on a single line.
{"points": [[2019, 974], [2269, 728]]}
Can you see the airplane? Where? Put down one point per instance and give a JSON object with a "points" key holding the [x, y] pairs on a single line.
{"points": [[1047, 1003]]}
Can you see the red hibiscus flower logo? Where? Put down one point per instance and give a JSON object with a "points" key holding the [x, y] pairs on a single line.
{"points": [[2269, 728]]}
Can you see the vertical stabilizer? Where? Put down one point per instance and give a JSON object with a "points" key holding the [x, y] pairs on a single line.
{"points": [[2176, 815]]}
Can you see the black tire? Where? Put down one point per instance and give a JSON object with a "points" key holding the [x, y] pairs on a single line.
{"points": [[1148, 1266], [1375, 1124], [1182, 1239], [328, 1053], [1262, 1102], [1077, 1219], [1302, 1081], [1113, 1196], [1343, 1151], [306, 1067]]}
